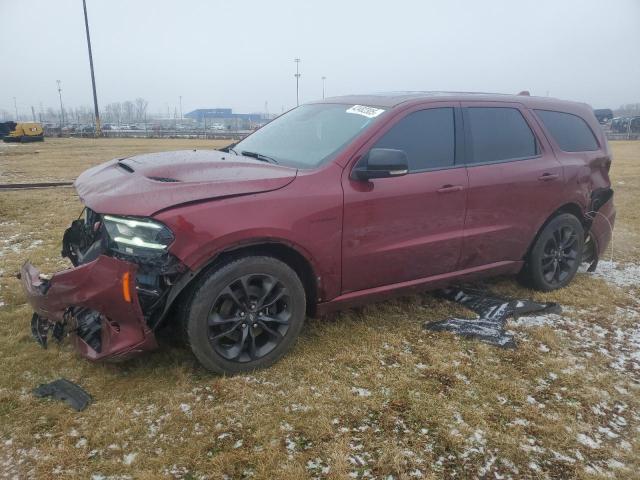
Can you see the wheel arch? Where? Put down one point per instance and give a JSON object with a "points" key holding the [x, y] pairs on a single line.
{"points": [[287, 253], [572, 208]]}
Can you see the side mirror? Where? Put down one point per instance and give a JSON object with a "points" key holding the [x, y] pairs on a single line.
{"points": [[381, 163]]}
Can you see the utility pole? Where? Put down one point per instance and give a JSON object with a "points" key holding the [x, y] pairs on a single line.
{"points": [[61, 107], [15, 105], [297, 75], [181, 118], [323, 79], [93, 78]]}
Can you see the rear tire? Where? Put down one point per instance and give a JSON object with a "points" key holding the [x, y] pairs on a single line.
{"points": [[556, 254], [245, 315]]}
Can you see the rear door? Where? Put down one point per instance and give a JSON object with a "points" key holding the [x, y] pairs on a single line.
{"points": [[405, 228], [515, 181]]}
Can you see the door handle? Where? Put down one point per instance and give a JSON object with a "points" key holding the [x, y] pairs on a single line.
{"points": [[450, 188], [547, 177]]}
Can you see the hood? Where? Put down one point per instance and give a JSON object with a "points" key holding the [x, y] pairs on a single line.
{"points": [[145, 184]]}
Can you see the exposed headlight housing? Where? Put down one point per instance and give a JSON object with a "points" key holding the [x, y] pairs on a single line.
{"points": [[137, 236]]}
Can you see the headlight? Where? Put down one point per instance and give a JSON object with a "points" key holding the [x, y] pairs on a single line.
{"points": [[137, 236]]}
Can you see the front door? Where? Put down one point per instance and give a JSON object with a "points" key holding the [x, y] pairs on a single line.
{"points": [[410, 227]]}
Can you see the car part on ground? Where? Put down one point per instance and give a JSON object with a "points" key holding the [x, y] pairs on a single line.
{"points": [[493, 311], [245, 314], [65, 390]]}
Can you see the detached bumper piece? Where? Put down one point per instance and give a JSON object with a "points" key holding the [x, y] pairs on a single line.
{"points": [[66, 391], [601, 217], [493, 312], [95, 304]]}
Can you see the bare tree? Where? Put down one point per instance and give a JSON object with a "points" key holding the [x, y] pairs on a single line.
{"points": [[113, 112], [141, 109], [128, 109], [117, 112], [52, 115], [629, 109]]}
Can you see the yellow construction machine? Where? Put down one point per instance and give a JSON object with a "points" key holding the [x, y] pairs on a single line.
{"points": [[24, 132]]}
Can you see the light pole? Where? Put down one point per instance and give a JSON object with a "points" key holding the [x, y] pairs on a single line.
{"points": [[61, 108], [180, 97], [93, 78], [297, 75], [15, 105], [323, 79]]}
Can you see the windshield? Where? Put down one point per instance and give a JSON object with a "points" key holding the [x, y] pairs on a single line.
{"points": [[309, 135]]}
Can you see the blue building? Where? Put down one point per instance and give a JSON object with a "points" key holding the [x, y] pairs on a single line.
{"points": [[224, 115]]}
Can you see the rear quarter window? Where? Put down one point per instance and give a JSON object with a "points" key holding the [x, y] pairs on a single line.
{"points": [[571, 133]]}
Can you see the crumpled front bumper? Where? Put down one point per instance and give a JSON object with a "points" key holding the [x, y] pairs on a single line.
{"points": [[96, 289]]}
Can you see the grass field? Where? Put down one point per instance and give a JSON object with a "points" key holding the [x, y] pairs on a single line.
{"points": [[365, 393]]}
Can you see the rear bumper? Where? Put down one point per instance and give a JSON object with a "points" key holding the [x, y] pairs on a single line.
{"points": [[602, 227], [90, 300]]}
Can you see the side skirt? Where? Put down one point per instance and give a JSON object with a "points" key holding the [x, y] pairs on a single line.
{"points": [[384, 292]]}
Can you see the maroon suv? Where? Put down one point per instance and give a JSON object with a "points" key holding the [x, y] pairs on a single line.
{"points": [[335, 203]]}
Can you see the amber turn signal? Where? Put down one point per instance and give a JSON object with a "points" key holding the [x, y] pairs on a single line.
{"points": [[126, 287]]}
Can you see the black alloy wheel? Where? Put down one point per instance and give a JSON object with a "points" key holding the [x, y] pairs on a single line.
{"points": [[244, 314], [556, 254], [559, 255], [249, 318]]}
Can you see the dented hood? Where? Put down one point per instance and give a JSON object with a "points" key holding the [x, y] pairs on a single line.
{"points": [[145, 184]]}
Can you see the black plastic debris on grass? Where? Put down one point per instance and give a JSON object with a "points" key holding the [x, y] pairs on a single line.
{"points": [[63, 389], [492, 310]]}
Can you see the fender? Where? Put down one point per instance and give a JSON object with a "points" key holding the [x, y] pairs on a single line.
{"points": [[186, 279]]}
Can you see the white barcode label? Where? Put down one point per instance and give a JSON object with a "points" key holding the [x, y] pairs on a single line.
{"points": [[369, 112]]}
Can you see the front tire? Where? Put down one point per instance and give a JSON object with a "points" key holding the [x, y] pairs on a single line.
{"points": [[556, 254], [245, 315]]}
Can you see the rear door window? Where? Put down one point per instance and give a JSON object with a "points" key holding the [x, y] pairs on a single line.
{"points": [[571, 133], [427, 137], [498, 134]]}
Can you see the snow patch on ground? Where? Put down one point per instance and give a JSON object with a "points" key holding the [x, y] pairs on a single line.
{"points": [[620, 275], [361, 392]]}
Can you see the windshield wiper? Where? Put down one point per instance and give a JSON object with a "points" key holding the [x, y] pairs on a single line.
{"points": [[259, 156]]}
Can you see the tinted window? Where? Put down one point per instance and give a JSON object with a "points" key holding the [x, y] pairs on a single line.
{"points": [[499, 134], [571, 133], [426, 136]]}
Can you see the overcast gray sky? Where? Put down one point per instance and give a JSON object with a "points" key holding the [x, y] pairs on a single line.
{"points": [[240, 54]]}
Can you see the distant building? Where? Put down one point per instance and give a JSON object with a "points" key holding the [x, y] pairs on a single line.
{"points": [[225, 115]]}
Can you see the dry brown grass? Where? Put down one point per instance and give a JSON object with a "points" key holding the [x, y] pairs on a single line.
{"points": [[366, 392], [59, 159]]}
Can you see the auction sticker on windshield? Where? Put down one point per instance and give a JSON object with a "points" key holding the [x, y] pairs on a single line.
{"points": [[369, 112]]}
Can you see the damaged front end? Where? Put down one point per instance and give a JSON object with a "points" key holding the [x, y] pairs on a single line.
{"points": [[116, 295]]}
